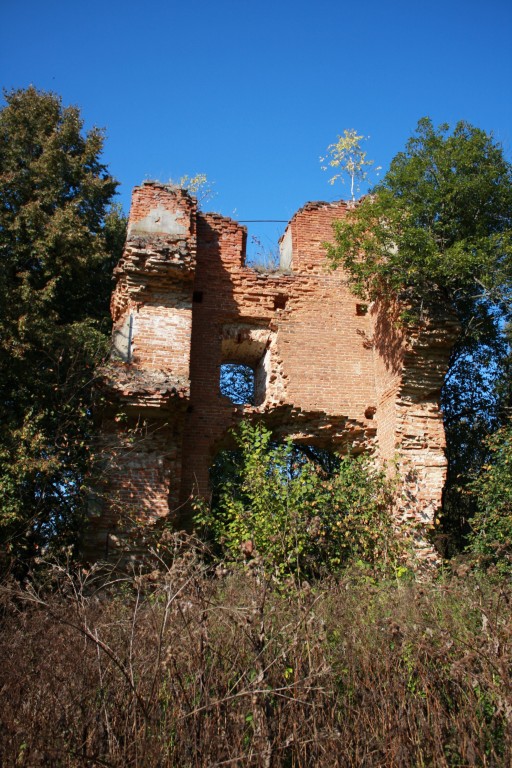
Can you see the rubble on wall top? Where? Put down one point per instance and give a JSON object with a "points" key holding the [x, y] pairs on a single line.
{"points": [[175, 189], [315, 205], [224, 219], [163, 185], [130, 382]]}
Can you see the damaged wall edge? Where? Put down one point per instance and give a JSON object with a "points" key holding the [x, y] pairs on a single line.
{"points": [[331, 372]]}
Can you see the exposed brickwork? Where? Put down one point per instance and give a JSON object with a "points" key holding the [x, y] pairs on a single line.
{"points": [[329, 370]]}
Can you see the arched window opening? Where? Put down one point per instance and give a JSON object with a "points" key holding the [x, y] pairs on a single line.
{"points": [[327, 461]]}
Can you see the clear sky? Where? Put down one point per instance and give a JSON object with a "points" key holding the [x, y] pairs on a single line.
{"points": [[252, 93]]}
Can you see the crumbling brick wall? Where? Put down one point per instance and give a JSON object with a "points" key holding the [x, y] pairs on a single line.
{"points": [[330, 371]]}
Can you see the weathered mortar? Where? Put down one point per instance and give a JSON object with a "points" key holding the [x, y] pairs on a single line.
{"points": [[330, 371]]}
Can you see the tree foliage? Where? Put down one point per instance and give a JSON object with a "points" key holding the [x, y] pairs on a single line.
{"points": [[438, 227], [59, 239], [275, 503]]}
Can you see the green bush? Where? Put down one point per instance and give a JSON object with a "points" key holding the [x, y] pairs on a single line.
{"points": [[275, 507], [491, 536]]}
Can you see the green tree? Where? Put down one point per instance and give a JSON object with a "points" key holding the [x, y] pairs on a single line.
{"points": [[59, 239], [438, 229]]}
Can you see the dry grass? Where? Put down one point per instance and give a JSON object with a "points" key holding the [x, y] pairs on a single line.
{"points": [[186, 668]]}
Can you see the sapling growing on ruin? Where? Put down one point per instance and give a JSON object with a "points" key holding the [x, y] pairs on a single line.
{"points": [[347, 155], [199, 186]]}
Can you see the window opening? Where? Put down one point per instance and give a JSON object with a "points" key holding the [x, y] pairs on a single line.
{"points": [[123, 340], [280, 301], [262, 253], [237, 383]]}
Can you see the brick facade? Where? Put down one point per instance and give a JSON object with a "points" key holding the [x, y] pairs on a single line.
{"points": [[330, 371]]}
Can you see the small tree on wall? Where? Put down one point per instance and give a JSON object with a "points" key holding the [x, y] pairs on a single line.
{"points": [[199, 186], [347, 155]]}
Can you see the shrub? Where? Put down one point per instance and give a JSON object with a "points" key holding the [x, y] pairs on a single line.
{"points": [[276, 507], [491, 536], [180, 669]]}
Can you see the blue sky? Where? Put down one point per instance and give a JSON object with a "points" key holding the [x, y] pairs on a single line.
{"points": [[252, 93]]}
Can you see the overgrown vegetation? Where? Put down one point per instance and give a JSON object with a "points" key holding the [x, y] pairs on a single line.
{"points": [[438, 225], [280, 510], [491, 526], [186, 669]]}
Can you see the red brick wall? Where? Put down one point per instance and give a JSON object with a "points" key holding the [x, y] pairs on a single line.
{"points": [[336, 375]]}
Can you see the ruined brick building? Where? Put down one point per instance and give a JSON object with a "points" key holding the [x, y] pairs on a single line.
{"points": [[328, 370]]}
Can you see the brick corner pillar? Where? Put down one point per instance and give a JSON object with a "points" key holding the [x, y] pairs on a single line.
{"points": [[146, 385]]}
